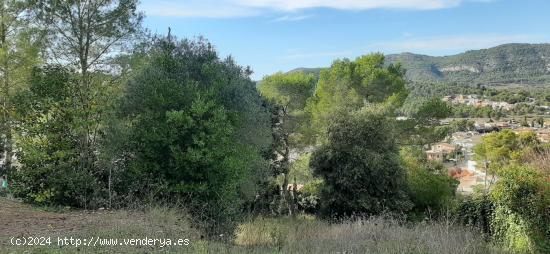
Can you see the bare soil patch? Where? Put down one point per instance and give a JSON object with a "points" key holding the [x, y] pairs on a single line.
{"points": [[19, 219]]}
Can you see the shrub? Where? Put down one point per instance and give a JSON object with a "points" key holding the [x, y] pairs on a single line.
{"points": [[360, 166], [522, 217], [477, 212], [48, 140], [309, 198], [430, 187]]}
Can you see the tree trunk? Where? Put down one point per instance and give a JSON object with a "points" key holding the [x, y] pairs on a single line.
{"points": [[6, 124], [285, 165]]}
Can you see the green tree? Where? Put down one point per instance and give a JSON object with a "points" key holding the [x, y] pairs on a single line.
{"points": [[360, 166], [20, 45], [424, 127], [84, 35], [48, 143], [462, 125], [352, 84], [500, 148], [288, 93], [521, 221], [197, 132]]}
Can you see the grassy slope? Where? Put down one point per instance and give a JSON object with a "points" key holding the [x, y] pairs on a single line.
{"points": [[260, 235]]}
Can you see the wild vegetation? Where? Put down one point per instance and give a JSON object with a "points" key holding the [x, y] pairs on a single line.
{"points": [[99, 115]]}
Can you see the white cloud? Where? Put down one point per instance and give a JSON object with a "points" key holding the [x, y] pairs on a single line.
{"points": [[292, 5], [435, 45], [289, 18], [197, 8], [243, 8]]}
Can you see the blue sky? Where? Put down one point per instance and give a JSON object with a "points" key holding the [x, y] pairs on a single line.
{"points": [[280, 35]]}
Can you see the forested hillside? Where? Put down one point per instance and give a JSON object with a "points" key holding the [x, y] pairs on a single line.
{"points": [[508, 63]]}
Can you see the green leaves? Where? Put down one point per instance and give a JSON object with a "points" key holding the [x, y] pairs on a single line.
{"points": [[522, 218], [349, 85], [360, 166], [47, 126], [501, 148], [429, 184], [288, 90], [197, 128]]}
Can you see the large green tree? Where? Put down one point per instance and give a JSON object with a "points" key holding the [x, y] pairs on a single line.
{"points": [[197, 130], [288, 94], [360, 166], [353, 84], [85, 35], [424, 125], [500, 148]]}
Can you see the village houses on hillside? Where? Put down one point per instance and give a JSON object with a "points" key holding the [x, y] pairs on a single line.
{"points": [[476, 101]]}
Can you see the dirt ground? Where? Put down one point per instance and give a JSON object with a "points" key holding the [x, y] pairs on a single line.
{"points": [[23, 221], [18, 219]]}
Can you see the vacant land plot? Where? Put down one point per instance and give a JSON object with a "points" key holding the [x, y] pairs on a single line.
{"points": [[260, 235]]}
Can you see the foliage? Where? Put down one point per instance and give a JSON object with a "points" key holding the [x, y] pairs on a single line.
{"points": [[360, 166], [462, 125], [499, 148], [468, 111], [300, 170], [288, 90], [47, 141], [62, 115], [197, 128], [287, 94], [430, 186], [20, 46], [309, 196], [538, 158], [350, 84], [515, 213], [433, 110], [423, 127], [420, 92], [84, 34], [522, 218], [476, 211]]}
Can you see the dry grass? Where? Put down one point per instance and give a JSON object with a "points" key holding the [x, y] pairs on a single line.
{"points": [[376, 235], [539, 160], [260, 235]]}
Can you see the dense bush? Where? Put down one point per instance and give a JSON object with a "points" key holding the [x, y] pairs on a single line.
{"points": [[48, 144], [522, 218], [360, 166], [431, 188], [196, 131], [515, 211], [475, 211]]}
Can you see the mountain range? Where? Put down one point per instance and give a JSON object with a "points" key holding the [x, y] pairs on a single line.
{"points": [[517, 63]]}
